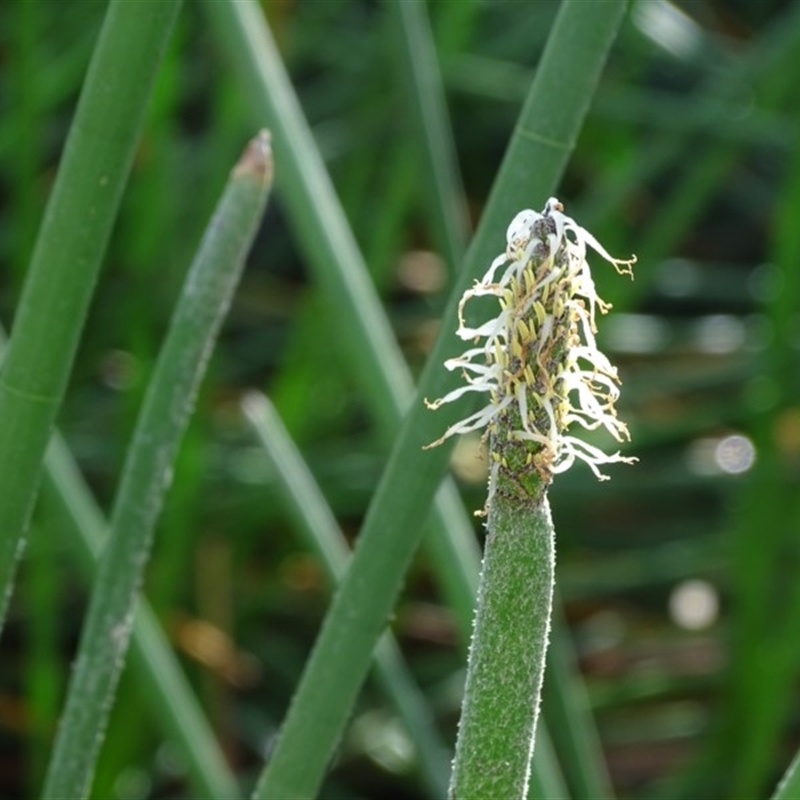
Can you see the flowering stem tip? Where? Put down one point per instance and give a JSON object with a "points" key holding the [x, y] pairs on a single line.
{"points": [[538, 363], [537, 360]]}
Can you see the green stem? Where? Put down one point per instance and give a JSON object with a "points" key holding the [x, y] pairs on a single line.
{"points": [[497, 730], [444, 194], [204, 300], [68, 253]]}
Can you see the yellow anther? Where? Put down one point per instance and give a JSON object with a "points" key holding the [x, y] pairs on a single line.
{"points": [[499, 354], [541, 314], [530, 279]]}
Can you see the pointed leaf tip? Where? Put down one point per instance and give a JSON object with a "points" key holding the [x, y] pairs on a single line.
{"points": [[257, 158]]}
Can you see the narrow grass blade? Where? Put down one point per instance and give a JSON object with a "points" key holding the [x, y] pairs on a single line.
{"points": [[789, 787], [537, 155], [547, 784], [202, 305], [68, 253], [420, 71], [765, 629], [568, 714], [25, 52], [315, 522], [43, 677]]}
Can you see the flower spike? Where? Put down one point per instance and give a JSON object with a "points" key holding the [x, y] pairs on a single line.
{"points": [[537, 360]]}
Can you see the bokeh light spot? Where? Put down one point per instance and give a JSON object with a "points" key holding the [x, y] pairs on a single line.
{"points": [[694, 605], [735, 454]]}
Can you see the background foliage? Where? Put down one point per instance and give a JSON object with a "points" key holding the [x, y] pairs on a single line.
{"points": [[678, 577]]}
